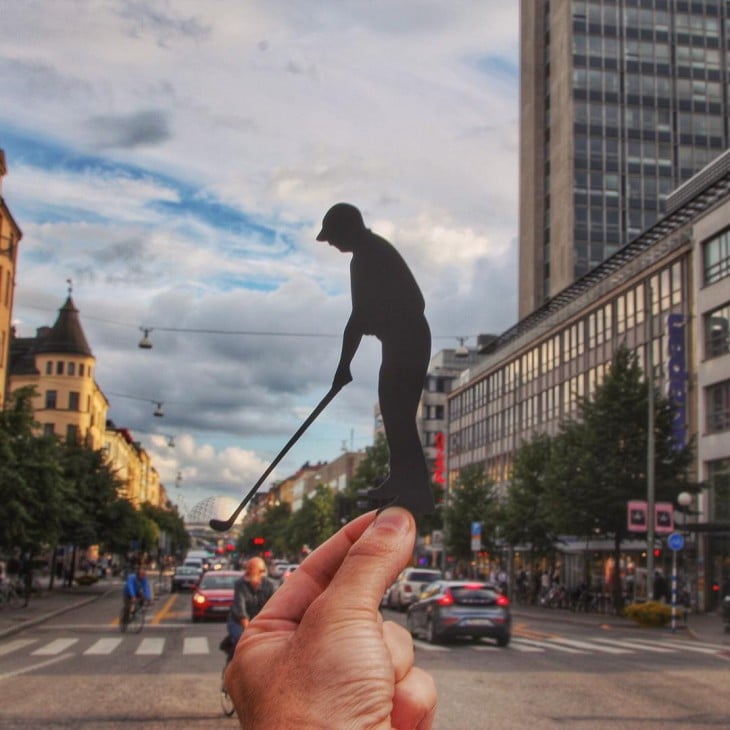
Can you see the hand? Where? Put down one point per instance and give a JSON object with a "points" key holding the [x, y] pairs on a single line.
{"points": [[319, 655], [343, 376]]}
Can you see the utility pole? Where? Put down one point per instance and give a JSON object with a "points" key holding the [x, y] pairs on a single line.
{"points": [[650, 486]]}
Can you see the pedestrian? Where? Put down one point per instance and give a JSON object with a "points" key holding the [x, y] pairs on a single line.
{"points": [[250, 593], [319, 655], [26, 574], [386, 303]]}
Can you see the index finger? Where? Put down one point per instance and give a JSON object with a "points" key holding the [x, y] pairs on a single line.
{"points": [[290, 602]]}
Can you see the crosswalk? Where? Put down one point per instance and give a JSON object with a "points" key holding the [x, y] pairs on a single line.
{"points": [[596, 646], [149, 646]]}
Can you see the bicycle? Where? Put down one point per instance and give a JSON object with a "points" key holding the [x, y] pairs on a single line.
{"points": [[9, 595], [132, 618], [226, 702]]}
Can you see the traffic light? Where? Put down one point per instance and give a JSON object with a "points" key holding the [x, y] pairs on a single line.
{"points": [[259, 541], [657, 552]]}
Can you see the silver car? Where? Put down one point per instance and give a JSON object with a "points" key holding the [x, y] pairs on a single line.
{"points": [[408, 586]]}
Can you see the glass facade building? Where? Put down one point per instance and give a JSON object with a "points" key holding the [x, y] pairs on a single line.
{"points": [[621, 102]]}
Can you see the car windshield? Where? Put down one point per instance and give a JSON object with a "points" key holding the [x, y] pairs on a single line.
{"points": [[422, 576], [218, 582], [187, 570]]}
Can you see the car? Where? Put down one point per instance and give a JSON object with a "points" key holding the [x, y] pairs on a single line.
{"points": [[408, 585], [185, 577], [448, 609], [288, 570], [213, 596], [196, 563], [277, 567]]}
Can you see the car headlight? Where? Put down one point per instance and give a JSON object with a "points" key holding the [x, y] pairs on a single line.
{"points": [[199, 598]]}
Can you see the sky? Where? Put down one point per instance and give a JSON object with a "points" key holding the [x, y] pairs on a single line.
{"points": [[174, 160]]}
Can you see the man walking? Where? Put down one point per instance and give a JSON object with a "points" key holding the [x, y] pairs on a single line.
{"points": [[386, 303]]}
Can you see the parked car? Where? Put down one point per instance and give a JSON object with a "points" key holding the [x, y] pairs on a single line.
{"points": [[277, 567], [186, 577], [461, 608], [408, 586], [213, 596]]}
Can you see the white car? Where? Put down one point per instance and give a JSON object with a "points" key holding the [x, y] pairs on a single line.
{"points": [[408, 586], [276, 568]]}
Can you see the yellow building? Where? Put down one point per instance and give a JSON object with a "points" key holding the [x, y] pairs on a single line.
{"points": [[10, 235], [59, 364]]}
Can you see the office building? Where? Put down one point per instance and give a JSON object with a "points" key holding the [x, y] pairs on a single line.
{"points": [[621, 102]]}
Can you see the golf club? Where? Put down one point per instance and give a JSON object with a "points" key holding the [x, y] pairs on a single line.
{"points": [[223, 525]]}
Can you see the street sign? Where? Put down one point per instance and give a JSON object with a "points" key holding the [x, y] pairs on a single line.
{"points": [[675, 541], [476, 537]]}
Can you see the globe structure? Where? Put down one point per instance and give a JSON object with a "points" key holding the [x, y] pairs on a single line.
{"points": [[212, 508]]}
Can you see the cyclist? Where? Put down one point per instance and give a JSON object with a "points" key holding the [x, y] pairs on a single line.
{"points": [[137, 588]]}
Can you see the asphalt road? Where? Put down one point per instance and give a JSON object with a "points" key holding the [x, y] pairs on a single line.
{"points": [[79, 671]]}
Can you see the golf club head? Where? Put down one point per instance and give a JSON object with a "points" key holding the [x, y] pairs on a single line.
{"points": [[220, 525]]}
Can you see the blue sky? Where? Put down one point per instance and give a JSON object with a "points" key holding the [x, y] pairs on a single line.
{"points": [[174, 160]]}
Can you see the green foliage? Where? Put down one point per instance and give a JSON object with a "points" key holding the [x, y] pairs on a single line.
{"points": [[372, 470], [651, 613], [171, 523], [314, 522], [471, 500]]}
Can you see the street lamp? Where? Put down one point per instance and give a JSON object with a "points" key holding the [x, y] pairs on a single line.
{"points": [[684, 500]]}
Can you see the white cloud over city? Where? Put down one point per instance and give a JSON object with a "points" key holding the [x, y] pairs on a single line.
{"points": [[175, 160]]}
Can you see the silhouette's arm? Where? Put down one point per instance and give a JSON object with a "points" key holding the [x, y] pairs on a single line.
{"points": [[350, 342]]}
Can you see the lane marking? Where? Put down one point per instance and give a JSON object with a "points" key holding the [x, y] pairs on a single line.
{"points": [[33, 667], [636, 646], [103, 646], [549, 645], [520, 646], [164, 610], [55, 647], [15, 645], [149, 647], [196, 645]]}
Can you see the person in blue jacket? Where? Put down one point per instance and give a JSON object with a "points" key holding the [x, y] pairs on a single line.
{"points": [[136, 588]]}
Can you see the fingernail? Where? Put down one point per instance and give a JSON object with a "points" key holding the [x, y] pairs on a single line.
{"points": [[392, 518]]}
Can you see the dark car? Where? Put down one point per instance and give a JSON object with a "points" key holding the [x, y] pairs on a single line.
{"points": [[450, 608], [186, 577], [213, 596]]}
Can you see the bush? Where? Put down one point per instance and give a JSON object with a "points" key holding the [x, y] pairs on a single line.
{"points": [[87, 580], [651, 613]]}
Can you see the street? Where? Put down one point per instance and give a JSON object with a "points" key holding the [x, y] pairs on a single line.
{"points": [[78, 670]]}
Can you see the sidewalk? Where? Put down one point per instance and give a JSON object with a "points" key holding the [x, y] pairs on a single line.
{"points": [[706, 627], [47, 603]]}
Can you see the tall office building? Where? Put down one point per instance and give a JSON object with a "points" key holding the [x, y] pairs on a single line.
{"points": [[621, 102]]}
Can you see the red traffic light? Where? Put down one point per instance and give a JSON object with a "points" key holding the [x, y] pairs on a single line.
{"points": [[657, 552], [230, 546], [259, 541]]}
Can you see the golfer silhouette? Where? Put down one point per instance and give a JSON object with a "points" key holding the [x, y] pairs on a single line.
{"points": [[386, 303]]}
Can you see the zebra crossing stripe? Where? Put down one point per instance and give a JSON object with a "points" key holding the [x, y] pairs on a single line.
{"points": [[520, 645], [55, 647], [12, 646], [590, 647], [550, 645], [637, 647], [149, 647], [195, 645], [688, 646], [103, 646]]}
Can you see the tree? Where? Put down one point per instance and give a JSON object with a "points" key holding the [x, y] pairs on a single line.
{"points": [[314, 522], [171, 524], [372, 470], [472, 500], [526, 517], [599, 460]]}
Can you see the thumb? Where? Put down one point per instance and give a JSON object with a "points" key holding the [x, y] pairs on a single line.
{"points": [[374, 561]]}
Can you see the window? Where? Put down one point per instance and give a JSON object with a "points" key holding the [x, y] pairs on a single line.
{"points": [[51, 396], [49, 368], [716, 258], [59, 367], [49, 429], [717, 332], [72, 433], [72, 368], [719, 478], [73, 401], [718, 407]]}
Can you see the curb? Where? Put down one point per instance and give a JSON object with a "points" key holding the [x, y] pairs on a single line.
{"points": [[47, 616]]}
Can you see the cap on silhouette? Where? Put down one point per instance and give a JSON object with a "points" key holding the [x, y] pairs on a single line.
{"points": [[339, 220]]}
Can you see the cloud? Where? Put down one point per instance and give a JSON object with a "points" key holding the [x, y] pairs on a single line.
{"points": [[131, 130]]}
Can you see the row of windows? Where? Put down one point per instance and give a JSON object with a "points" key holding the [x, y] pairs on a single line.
{"points": [[52, 400], [719, 478], [5, 294], [717, 401], [72, 431], [69, 368], [717, 332]]}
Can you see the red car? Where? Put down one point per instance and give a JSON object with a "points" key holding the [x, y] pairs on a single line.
{"points": [[213, 596]]}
